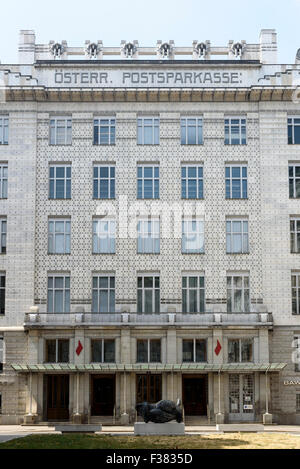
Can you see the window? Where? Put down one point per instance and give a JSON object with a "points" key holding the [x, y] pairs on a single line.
{"points": [[193, 294], [194, 350], [191, 131], [296, 293], [0, 403], [103, 351], [148, 292], [1, 354], [148, 351], [241, 393], [59, 236], [2, 293], [105, 131], [148, 182], [237, 237], [148, 131], [192, 236], [3, 228], [58, 294], [295, 235], [61, 131], [235, 131], [296, 360], [240, 350], [3, 181], [60, 182], [104, 182], [192, 182], [3, 130], [57, 351], [103, 294], [293, 130], [298, 402], [236, 182], [148, 232], [294, 182], [238, 296], [104, 236]]}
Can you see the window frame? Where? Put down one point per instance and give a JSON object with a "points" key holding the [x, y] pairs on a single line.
{"points": [[98, 235], [199, 289], [228, 127], [154, 125], [66, 235], [297, 288], [111, 290], [294, 178], [154, 232], [291, 125], [4, 130], [186, 179], [243, 289], [142, 289], [294, 232], [99, 180], [195, 340], [241, 179], [102, 341], [155, 181], [53, 130], [243, 234], [56, 340], [65, 178], [149, 342], [3, 288], [66, 298], [111, 125], [184, 127], [186, 234], [240, 341], [3, 180], [3, 234], [1, 355]]}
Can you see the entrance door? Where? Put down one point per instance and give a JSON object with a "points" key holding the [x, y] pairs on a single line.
{"points": [[241, 397], [103, 395], [148, 388], [58, 397], [194, 394]]}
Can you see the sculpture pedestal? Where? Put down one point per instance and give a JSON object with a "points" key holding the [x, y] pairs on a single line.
{"points": [[169, 428]]}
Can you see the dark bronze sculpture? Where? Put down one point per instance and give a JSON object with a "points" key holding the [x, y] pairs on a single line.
{"points": [[161, 412]]}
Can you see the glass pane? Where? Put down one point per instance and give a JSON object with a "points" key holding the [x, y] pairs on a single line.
{"points": [[142, 351], [187, 350]]}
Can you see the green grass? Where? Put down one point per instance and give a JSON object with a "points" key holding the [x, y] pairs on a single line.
{"points": [[212, 441]]}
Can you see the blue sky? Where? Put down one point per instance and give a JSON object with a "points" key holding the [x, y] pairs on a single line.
{"points": [[147, 21]]}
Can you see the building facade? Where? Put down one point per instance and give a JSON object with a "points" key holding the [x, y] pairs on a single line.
{"points": [[149, 214]]}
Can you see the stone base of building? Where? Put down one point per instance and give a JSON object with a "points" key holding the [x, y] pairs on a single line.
{"points": [[30, 419], [77, 419], [85, 428], [169, 428]]}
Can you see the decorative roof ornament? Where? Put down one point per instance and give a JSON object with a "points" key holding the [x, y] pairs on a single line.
{"points": [[165, 50], [92, 49], [129, 50], [298, 56], [201, 50], [57, 50], [237, 49]]}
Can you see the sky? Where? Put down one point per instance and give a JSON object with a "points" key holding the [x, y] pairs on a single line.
{"points": [[150, 20]]}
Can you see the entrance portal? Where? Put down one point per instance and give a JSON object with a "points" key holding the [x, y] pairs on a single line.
{"points": [[57, 397], [194, 394], [103, 394]]}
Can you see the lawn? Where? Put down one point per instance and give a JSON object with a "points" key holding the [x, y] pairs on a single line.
{"points": [[212, 441]]}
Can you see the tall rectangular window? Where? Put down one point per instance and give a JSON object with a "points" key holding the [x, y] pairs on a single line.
{"points": [[148, 236], [1, 354], [105, 131], [3, 231], [194, 350], [2, 293], [58, 294], [236, 181], [103, 295], [235, 131], [148, 182], [3, 130], [191, 131], [237, 236], [296, 344], [192, 182], [103, 351], [238, 295], [3, 181], [104, 236], [240, 350], [297, 402], [193, 294], [192, 236], [148, 131], [61, 131], [104, 182], [57, 351], [296, 293], [59, 236], [295, 234], [148, 293], [60, 182], [294, 182], [148, 351], [293, 130]]}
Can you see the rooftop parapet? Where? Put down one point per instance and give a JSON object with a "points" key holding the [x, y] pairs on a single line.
{"points": [[265, 51]]}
